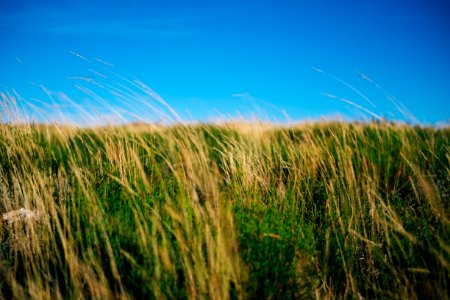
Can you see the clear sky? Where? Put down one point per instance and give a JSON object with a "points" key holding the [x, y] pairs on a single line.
{"points": [[206, 58]]}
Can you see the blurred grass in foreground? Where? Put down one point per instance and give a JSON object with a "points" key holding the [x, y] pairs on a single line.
{"points": [[238, 210]]}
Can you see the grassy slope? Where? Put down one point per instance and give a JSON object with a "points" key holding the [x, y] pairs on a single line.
{"points": [[230, 211]]}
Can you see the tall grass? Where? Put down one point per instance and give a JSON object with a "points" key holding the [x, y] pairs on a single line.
{"points": [[238, 210]]}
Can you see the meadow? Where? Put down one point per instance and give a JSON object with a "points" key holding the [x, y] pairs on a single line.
{"points": [[236, 210]]}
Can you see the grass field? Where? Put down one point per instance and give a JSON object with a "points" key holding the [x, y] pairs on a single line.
{"points": [[238, 210]]}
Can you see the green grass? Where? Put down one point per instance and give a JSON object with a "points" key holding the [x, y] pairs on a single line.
{"points": [[325, 210]]}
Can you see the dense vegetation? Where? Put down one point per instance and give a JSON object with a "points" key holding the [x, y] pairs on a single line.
{"points": [[324, 210]]}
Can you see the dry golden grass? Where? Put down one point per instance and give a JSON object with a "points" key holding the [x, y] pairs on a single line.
{"points": [[235, 210]]}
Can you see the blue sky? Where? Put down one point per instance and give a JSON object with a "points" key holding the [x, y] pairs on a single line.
{"points": [[308, 59]]}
